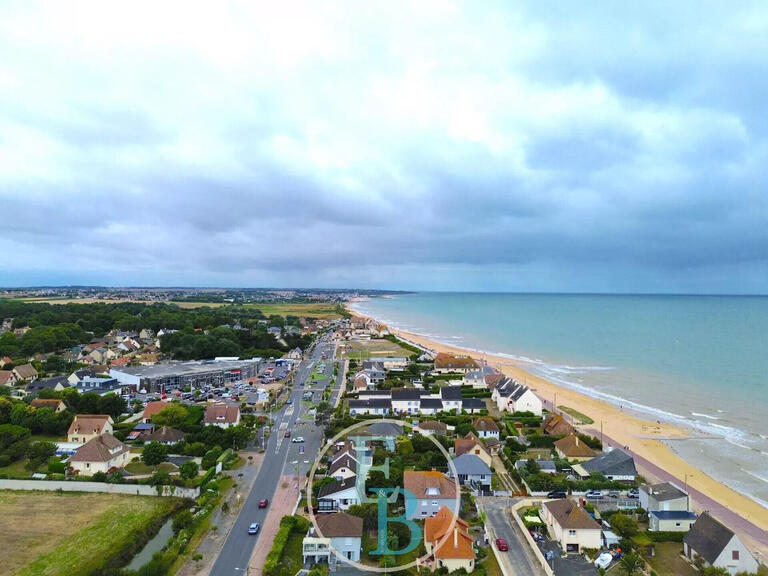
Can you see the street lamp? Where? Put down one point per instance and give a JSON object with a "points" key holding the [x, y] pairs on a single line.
{"points": [[687, 496]]}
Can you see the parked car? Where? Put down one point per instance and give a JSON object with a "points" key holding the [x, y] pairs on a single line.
{"points": [[614, 494], [502, 545], [263, 503], [557, 494], [633, 493], [604, 560], [298, 439], [594, 495], [254, 528]]}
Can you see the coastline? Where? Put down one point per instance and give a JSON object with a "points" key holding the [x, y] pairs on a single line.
{"points": [[644, 437]]}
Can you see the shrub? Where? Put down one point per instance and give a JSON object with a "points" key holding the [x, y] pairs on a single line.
{"points": [[99, 477], [182, 521]]}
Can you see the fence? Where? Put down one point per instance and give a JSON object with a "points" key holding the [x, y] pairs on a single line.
{"points": [[65, 486], [528, 538]]}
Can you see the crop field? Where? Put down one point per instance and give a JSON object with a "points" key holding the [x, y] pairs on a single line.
{"points": [[60, 534]]}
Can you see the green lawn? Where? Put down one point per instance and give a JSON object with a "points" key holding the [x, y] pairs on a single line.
{"points": [[577, 416], [138, 467], [54, 533], [669, 562], [365, 349]]}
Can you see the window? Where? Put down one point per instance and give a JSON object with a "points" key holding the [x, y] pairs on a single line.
{"points": [[571, 532], [735, 555], [434, 502]]}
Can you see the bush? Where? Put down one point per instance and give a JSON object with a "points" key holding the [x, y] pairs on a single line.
{"points": [[288, 525], [182, 521], [623, 525], [99, 477]]}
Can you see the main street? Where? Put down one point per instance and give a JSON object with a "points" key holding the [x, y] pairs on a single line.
{"points": [[281, 457]]}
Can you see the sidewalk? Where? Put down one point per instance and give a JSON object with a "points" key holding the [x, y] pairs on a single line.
{"points": [[213, 541]]}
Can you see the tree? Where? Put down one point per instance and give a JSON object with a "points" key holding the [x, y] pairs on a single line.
{"points": [[623, 525], [112, 404], [189, 470], [173, 415], [532, 467], [154, 453], [631, 564], [182, 520]]}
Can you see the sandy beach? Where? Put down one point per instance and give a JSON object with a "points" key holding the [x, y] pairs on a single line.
{"points": [[644, 438]]}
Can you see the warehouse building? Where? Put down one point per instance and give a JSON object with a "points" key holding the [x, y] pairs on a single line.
{"points": [[180, 375]]}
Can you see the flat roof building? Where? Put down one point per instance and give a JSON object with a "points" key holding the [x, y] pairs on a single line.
{"points": [[168, 375]]}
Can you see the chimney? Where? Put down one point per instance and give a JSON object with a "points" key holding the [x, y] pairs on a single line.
{"points": [[577, 440]]}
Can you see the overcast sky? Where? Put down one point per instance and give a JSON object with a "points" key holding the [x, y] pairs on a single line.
{"points": [[604, 146]]}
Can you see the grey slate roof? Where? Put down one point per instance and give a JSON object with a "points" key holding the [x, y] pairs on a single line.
{"points": [[673, 514], [613, 463], [406, 394], [385, 429], [371, 403], [544, 465], [474, 404], [343, 462], [431, 403], [335, 487], [50, 383], [708, 537], [471, 465], [663, 491], [450, 393]]}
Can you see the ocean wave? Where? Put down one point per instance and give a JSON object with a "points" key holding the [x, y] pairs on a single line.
{"points": [[707, 416]]}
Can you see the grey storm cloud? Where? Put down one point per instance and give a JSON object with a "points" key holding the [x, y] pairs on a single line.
{"points": [[433, 145]]}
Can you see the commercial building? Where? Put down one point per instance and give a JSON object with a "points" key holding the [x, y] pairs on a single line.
{"points": [[170, 375]]}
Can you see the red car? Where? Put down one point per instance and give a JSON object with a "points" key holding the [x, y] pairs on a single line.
{"points": [[287, 434], [263, 503], [501, 544]]}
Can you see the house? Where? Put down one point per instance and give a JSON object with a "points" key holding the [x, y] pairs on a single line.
{"points": [[377, 375], [142, 430], [166, 436], [471, 469], [450, 396], [492, 380], [614, 465], [474, 405], [338, 495], [431, 490], [430, 427], [445, 363], [670, 520], [363, 382], [471, 444], [486, 428], [430, 405], [371, 405], [152, 408], [25, 372], [573, 448], [512, 396], [476, 378], [384, 429], [146, 334], [100, 454], [406, 400], [447, 539], [546, 466], [222, 415], [54, 403], [338, 535], [86, 427], [57, 384], [718, 546], [100, 386], [7, 378], [343, 468], [663, 496], [78, 375], [571, 525], [389, 362], [5, 360], [555, 425]]}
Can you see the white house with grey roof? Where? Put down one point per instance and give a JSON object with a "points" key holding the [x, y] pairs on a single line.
{"points": [[717, 545], [614, 465], [512, 396], [470, 469], [663, 496]]}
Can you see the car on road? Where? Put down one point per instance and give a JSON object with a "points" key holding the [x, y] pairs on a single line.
{"points": [[287, 434], [502, 545], [298, 439], [263, 503], [633, 493], [557, 494], [289, 401], [254, 528], [604, 560], [594, 495]]}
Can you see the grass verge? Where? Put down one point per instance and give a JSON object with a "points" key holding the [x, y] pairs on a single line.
{"points": [[578, 416]]}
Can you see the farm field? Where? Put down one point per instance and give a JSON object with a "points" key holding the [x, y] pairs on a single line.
{"points": [[364, 349], [52, 534]]}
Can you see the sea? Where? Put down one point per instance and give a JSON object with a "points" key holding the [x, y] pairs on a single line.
{"points": [[700, 362]]}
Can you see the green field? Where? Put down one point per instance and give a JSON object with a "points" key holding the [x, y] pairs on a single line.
{"points": [[668, 560], [53, 533], [578, 417], [365, 349]]}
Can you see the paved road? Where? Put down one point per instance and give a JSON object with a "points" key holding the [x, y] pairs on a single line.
{"points": [[517, 560], [281, 457]]}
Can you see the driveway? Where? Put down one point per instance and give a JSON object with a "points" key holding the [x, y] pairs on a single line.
{"points": [[518, 560], [570, 565]]}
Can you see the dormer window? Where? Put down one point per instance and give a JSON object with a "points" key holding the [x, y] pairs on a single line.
{"points": [[433, 492]]}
